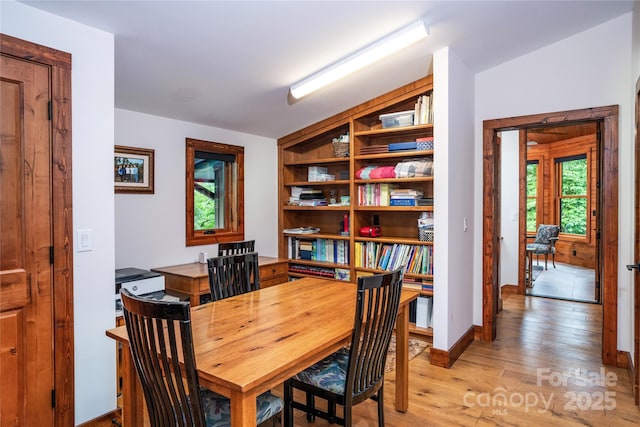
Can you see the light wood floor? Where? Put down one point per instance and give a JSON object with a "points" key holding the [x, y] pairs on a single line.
{"points": [[551, 342]]}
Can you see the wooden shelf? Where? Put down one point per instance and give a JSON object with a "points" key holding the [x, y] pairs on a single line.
{"points": [[312, 146]]}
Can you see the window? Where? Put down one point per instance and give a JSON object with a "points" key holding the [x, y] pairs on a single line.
{"points": [[572, 194], [215, 192], [532, 196]]}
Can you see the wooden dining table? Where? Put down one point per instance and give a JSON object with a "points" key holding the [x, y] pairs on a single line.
{"points": [[250, 343]]}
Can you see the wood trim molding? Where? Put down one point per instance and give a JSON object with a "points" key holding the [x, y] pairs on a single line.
{"points": [[62, 215], [446, 359], [608, 155]]}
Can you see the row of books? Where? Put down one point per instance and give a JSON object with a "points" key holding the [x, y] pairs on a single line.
{"points": [[416, 259], [323, 250], [423, 110], [386, 194], [310, 270]]}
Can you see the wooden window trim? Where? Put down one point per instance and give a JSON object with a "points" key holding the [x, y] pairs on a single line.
{"points": [[234, 219], [555, 184]]}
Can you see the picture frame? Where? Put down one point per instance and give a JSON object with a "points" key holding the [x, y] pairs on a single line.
{"points": [[133, 170]]}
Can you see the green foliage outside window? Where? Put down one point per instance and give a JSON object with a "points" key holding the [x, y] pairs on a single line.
{"points": [[532, 201], [573, 210], [204, 210]]}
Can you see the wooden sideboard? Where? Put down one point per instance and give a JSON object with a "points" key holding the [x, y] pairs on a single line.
{"points": [[192, 280]]}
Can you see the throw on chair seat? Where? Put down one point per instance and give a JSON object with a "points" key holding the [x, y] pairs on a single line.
{"points": [[356, 373], [217, 408]]}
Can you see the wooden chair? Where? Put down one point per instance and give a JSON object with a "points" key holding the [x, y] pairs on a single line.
{"points": [[354, 374], [160, 337], [233, 275], [234, 248]]}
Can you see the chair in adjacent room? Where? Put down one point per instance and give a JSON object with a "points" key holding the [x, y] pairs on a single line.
{"points": [[160, 337], [544, 243], [234, 248], [355, 373], [233, 275]]}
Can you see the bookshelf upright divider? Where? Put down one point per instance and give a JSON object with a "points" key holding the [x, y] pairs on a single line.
{"points": [[385, 180]]}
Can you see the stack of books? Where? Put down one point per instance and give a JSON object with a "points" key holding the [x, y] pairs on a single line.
{"points": [[374, 149], [311, 197], [404, 197]]}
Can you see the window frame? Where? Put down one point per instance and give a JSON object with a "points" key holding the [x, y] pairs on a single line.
{"points": [[234, 203], [556, 162], [539, 161]]}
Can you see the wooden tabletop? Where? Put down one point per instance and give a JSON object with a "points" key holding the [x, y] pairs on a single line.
{"points": [[250, 343]]}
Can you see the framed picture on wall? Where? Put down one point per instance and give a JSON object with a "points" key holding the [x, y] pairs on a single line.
{"points": [[133, 170]]}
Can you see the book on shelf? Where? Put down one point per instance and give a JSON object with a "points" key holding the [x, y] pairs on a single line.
{"points": [[377, 194], [403, 202], [402, 146], [301, 230], [423, 110], [313, 202], [374, 149]]}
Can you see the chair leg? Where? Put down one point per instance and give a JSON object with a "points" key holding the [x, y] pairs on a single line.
{"points": [[381, 407], [553, 260], [288, 409], [311, 406], [545, 261]]}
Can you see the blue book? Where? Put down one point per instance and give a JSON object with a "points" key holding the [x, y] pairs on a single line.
{"points": [[403, 202], [399, 146]]}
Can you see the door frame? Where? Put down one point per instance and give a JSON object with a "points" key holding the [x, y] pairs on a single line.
{"points": [[59, 64], [636, 279], [608, 156]]}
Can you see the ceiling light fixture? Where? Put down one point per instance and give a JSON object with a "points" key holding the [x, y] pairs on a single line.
{"points": [[378, 50]]}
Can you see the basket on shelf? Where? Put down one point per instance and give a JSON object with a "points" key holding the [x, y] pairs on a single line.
{"points": [[341, 148]]}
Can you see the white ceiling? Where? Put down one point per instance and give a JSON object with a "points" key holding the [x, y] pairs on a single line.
{"points": [[229, 64]]}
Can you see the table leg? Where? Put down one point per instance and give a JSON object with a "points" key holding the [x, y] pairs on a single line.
{"points": [[243, 409], [132, 398], [402, 359]]}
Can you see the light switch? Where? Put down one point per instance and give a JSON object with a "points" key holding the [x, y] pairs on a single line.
{"points": [[84, 240]]}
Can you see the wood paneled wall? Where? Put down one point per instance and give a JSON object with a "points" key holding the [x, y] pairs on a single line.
{"points": [[579, 251]]}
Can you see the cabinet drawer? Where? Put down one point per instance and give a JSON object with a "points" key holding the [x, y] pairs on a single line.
{"points": [[272, 270], [265, 283]]}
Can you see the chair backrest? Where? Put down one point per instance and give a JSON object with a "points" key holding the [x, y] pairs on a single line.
{"points": [[160, 339], [377, 302], [233, 275], [545, 232], [233, 248]]}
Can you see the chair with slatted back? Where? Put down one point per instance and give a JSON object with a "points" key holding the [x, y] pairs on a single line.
{"points": [[233, 275], [160, 339], [354, 374], [234, 248]]}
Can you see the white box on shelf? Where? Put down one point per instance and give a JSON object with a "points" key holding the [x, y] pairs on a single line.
{"points": [[399, 119], [423, 312]]}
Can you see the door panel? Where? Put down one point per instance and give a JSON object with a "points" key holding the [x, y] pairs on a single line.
{"points": [[26, 312]]}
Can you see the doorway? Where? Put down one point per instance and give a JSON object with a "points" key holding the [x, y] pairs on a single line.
{"points": [[36, 283], [607, 117], [561, 194]]}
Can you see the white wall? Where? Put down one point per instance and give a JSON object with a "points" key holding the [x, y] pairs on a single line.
{"points": [[509, 200], [150, 228], [92, 126], [453, 194], [589, 69]]}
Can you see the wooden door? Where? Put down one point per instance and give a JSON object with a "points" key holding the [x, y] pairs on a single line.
{"points": [[26, 304]]}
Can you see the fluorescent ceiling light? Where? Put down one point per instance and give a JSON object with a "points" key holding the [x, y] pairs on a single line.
{"points": [[378, 50]]}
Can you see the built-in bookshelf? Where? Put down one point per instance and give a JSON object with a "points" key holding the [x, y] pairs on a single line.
{"points": [[385, 181]]}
